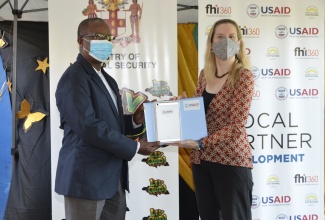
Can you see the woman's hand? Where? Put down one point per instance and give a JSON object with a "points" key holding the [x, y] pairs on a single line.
{"points": [[183, 96], [190, 144]]}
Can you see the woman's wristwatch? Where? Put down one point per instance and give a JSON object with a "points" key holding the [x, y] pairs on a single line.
{"points": [[199, 145]]}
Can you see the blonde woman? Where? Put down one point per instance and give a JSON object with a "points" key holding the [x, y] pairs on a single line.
{"points": [[222, 161]]}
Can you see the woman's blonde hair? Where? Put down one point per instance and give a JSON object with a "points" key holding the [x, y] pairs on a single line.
{"points": [[241, 61]]}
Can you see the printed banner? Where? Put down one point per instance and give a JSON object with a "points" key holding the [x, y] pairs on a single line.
{"points": [[285, 43], [144, 63]]}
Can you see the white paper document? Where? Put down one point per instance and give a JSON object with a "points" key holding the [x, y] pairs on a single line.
{"points": [[167, 121]]}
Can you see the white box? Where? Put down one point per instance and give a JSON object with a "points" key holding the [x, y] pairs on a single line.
{"points": [[169, 121]]}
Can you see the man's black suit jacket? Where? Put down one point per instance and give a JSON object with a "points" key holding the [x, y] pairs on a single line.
{"points": [[94, 151]]}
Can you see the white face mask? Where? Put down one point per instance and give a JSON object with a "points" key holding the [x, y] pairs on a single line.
{"points": [[100, 50], [225, 48]]}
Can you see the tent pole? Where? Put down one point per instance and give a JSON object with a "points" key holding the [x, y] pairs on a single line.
{"points": [[14, 81], [17, 14], [35, 10]]}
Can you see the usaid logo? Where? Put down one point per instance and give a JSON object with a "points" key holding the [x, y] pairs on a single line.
{"points": [[270, 11], [304, 217], [166, 112], [281, 31], [304, 93], [191, 105], [281, 217], [255, 202], [253, 11], [281, 93], [304, 31], [256, 72], [276, 200], [275, 11], [276, 73]]}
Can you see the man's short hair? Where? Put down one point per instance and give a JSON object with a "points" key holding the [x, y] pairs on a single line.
{"points": [[83, 26]]}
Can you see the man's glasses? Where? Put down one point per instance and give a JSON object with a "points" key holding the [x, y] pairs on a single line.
{"points": [[100, 37]]}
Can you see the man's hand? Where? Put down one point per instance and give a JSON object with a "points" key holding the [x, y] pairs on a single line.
{"points": [[138, 115], [147, 148]]}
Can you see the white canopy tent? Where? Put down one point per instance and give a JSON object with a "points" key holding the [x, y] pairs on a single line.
{"points": [[187, 10]]}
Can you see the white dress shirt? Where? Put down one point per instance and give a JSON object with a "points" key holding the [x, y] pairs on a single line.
{"points": [[113, 96]]}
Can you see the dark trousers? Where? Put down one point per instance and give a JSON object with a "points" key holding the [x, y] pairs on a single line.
{"points": [[84, 209], [223, 192]]}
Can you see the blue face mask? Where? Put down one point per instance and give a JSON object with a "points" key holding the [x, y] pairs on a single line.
{"points": [[100, 50]]}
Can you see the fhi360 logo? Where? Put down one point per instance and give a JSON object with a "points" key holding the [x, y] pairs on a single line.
{"points": [[306, 53], [217, 11], [250, 32]]}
